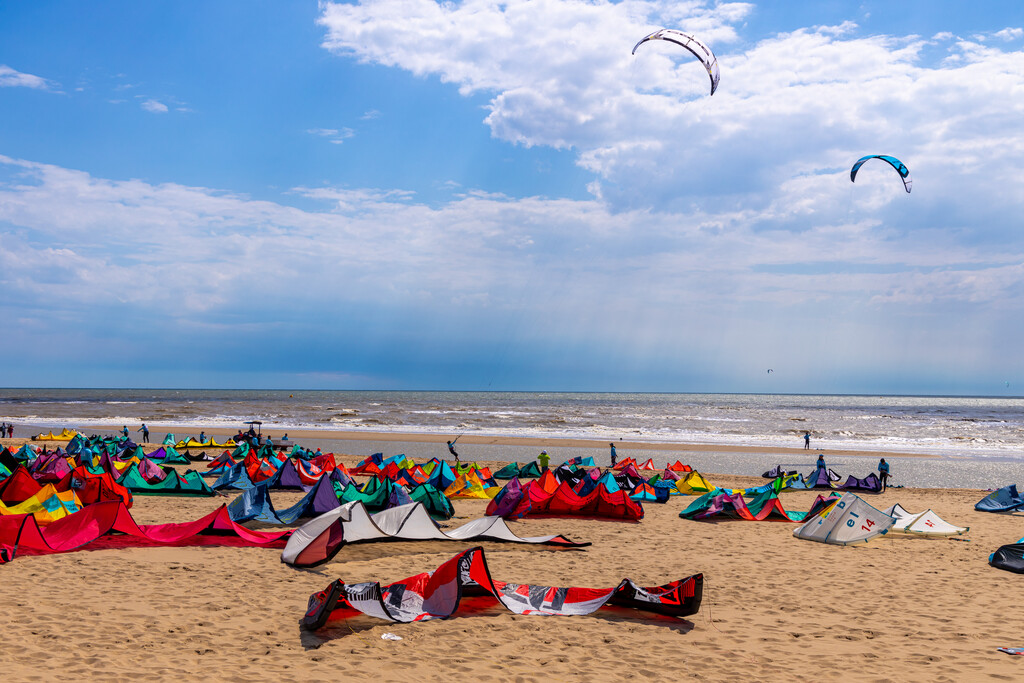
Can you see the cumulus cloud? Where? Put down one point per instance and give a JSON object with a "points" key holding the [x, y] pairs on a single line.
{"points": [[10, 78], [811, 100]]}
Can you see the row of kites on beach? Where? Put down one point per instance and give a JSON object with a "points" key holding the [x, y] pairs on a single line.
{"points": [[703, 53], [89, 505]]}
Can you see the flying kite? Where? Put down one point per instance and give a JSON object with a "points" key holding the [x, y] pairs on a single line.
{"points": [[695, 46], [892, 161]]}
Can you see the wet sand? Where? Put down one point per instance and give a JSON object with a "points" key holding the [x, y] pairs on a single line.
{"points": [[157, 433]]}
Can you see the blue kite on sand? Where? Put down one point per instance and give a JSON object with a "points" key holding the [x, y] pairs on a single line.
{"points": [[1005, 499]]}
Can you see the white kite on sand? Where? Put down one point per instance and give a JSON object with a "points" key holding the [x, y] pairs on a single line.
{"points": [[319, 539], [848, 520], [925, 523]]}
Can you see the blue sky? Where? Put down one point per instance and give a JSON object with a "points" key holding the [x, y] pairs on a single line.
{"points": [[485, 195]]}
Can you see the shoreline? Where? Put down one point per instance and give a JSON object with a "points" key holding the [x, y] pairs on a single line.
{"points": [[299, 435]]}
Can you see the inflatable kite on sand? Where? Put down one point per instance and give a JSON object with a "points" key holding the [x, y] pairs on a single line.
{"points": [[436, 595], [1006, 499], [1009, 557], [846, 521], [22, 534], [320, 539], [925, 523]]}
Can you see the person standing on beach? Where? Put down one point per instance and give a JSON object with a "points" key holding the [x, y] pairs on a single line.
{"points": [[614, 457], [821, 461], [543, 459], [883, 473], [145, 432], [807, 441], [451, 449], [124, 430]]}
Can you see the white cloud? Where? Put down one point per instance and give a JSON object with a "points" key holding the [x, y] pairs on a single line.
{"points": [[1009, 34], [650, 284], [487, 243], [334, 135], [154, 106], [560, 74], [9, 78]]}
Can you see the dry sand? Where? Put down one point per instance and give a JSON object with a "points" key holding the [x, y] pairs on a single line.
{"points": [[775, 607]]}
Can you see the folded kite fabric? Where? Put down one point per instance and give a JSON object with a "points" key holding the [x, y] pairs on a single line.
{"points": [[22, 533], [320, 539], [436, 595]]}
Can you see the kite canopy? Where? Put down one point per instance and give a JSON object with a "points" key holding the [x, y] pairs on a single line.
{"points": [[695, 46], [848, 520], [436, 595], [1003, 500], [925, 523], [23, 534], [869, 484], [892, 161], [1009, 557], [321, 538]]}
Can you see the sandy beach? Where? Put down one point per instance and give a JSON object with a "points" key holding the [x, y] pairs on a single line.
{"points": [[775, 607]]}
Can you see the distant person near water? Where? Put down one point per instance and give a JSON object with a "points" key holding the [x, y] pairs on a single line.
{"points": [[614, 457], [543, 459], [145, 432], [821, 461], [451, 449], [807, 441], [883, 473]]}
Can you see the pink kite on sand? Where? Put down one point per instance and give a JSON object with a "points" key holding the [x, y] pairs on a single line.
{"points": [[21, 534]]}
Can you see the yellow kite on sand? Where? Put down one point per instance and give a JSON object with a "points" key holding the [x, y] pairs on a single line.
{"points": [[47, 506], [65, 435], [469, 486]]}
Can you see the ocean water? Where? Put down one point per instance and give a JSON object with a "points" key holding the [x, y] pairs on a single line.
{"points": [[950, 426]]}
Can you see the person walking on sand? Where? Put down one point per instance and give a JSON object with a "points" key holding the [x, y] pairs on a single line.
{"points": [[883, 473], [124, 430], [543, 459], [807, 441], [145, 432], [614, 457]]}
